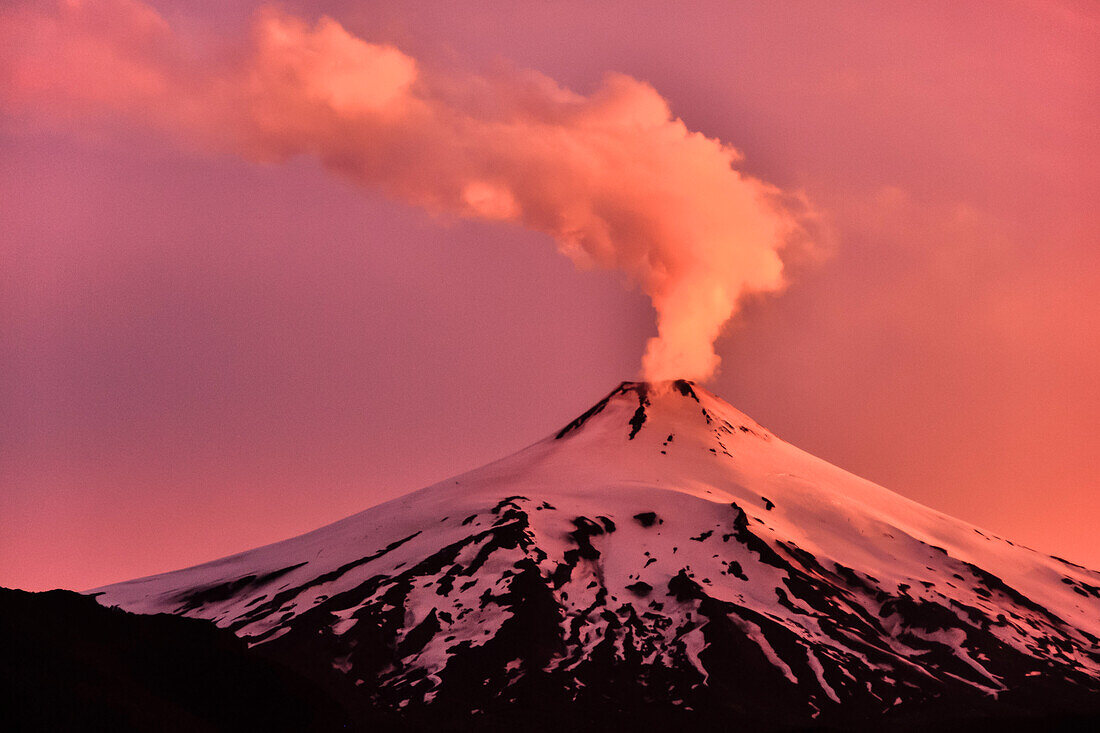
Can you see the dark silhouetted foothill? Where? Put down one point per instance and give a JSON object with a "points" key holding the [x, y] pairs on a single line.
{"points": [[69, 664]]}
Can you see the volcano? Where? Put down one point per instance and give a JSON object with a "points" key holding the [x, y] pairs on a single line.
{"points": [[663, 558]]}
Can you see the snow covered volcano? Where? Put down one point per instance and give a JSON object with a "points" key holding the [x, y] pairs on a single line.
{"points": [[662, 556]]}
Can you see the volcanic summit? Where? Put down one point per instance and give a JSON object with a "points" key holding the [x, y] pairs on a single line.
{"points": [[662, 558]]}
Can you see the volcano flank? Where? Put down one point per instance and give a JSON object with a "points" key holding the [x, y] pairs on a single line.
{"points": [[661, 559]]}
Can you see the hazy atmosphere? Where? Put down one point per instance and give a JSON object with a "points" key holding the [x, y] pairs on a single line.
{"points": [[223, 324]]}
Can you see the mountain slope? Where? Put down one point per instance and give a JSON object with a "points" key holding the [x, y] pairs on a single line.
{"points": [[68, 664], [666, 554]]}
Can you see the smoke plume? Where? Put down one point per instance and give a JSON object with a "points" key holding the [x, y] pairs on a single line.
{"points": [[613, 177]]}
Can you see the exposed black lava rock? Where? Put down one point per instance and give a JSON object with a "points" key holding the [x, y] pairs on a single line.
{"points": [[685, 388], [642, 391], [582, 536], [198, 597], [638, 420], [734, 568]]}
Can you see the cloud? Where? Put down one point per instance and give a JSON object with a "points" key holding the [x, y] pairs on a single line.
{"points": [[613, 177]]}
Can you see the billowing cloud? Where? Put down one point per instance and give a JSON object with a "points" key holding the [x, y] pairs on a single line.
{"points": [[613, 177]]}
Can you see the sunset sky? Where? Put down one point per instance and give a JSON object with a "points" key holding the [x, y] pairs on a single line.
{"points": [[220, 328]]}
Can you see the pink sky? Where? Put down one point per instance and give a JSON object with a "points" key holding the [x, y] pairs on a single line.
{"points": [[200, 354]]}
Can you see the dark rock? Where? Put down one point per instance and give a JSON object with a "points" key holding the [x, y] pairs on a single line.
{"points": [[70, 664]]}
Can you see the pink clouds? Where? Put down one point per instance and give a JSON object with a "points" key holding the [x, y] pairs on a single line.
{"points": [[613, 177], [86, 57]]}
